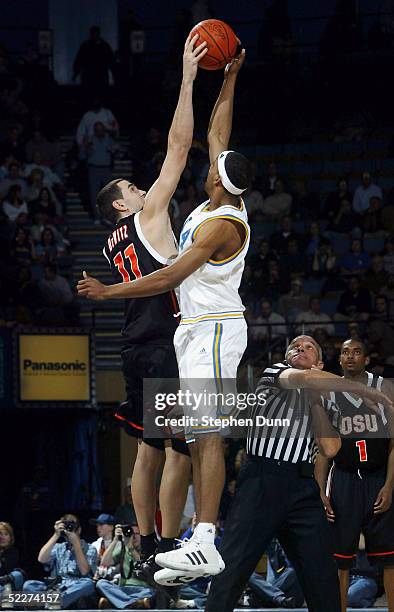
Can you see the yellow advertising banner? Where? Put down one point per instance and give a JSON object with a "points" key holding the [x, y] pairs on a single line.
{"points": [[54, 368]]}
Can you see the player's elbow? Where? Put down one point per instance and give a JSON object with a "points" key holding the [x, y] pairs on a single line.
{"points": [[329, 447]]}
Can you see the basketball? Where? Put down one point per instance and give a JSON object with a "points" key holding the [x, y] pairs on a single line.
{"points": [[221, 41]]}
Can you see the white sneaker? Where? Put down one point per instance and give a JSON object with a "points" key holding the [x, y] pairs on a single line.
{"points": [[170, 577], [185, 604], [194, 557]]}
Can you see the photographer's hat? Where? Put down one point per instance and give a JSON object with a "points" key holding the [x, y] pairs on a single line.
{"points": [[103, 519]]}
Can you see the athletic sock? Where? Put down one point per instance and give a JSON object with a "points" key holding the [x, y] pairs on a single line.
{"points": [[205, 532], [148, 545], [166, 544]]}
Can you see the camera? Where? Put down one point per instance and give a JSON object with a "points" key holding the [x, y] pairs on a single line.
{"points": [[70, 526], [127, 530]]}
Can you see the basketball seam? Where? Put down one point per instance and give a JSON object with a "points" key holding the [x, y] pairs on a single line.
{"points": [[228, 42], [214, 41]]}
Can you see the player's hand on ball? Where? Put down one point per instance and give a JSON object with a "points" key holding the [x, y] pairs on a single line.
{"points": [[235, 65], [192, 55], [91, 288]]}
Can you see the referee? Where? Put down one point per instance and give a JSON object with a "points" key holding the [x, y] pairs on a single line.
{"points": [[276, 492]]}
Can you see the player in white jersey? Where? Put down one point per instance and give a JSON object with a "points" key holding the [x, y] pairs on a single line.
{"points": [[211, 338]]}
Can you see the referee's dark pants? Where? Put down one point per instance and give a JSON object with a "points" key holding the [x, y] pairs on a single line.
{"points": [[277, 498]]}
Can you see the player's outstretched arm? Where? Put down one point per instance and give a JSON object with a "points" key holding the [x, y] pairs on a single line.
{"points": [[221, 121], [212, 237], [180, 135]]}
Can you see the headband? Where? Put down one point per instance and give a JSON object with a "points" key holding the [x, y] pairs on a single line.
{"points": [[227, 184]]}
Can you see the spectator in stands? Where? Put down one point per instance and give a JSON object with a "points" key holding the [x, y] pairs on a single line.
{"points": [[356, 260], [14, 204], [49, 152], [334, 200], [254, 200], [44, 204], [9, 559], [261, 259], [98, 113], [355, 301], [376, 277], [388, 292], [100, 150], [364, 193], [93, 62], [270, 179], [324, 266], [22, 248], [312, 239], [41, 221], [268, 324], [372, 219], [46, 250], [189, 202], [124, 514], [294, 261], [388, 256], [50, 178], [14, 177], [276, 282], [313, 318], [248, 290], [279, 203], [13, 145], [305, 205], [331, 357], [381, 308], [130, 589], [294, 302], [380, 338], [346, 220], [58, 298], [279, 240], [73, 562]]}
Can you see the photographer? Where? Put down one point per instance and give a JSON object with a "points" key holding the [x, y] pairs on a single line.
{"points": [[9, 559], [130, 589], [72, 562]]}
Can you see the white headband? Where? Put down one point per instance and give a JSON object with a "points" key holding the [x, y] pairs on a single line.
{"points": [[227, 184]]}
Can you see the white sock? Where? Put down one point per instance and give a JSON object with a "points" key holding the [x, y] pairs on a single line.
{"points": [[205, 532]]}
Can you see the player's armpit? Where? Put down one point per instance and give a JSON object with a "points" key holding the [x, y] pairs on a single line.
{"points": [[224, 237]]}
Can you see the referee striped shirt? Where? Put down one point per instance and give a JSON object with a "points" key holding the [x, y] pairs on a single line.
{"points": [[286, 434]]}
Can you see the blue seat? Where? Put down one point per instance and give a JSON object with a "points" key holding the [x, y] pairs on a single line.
{"points": [[313, 286]]}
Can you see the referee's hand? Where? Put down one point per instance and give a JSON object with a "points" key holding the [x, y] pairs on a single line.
{"points": [[327, 507]]}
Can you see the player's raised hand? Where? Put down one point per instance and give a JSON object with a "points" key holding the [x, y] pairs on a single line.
{"points": [[235, 65], [192, 55], [91, 288]]}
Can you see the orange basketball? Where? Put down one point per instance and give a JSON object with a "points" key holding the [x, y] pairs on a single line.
{"points": [[221, 42]]}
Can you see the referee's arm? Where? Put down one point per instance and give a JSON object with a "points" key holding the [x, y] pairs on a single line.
{"points": [[320, 381]]}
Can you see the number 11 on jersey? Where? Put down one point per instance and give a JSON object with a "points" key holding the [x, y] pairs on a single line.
{"points": [[131, 255]]}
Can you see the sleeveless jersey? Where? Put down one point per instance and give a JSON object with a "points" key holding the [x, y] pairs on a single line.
{"points": [[150, 320], [212, 290], [364, 433]]}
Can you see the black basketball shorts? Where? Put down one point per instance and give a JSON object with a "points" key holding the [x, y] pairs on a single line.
{"points": [[352, 496], [145, 361]]}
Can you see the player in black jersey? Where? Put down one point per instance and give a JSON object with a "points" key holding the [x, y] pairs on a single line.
{"points": [[357, 492], [143, 242]]}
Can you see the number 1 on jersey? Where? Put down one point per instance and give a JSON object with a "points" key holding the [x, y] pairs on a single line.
{"points": [[362, 450], [131, 255]]}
